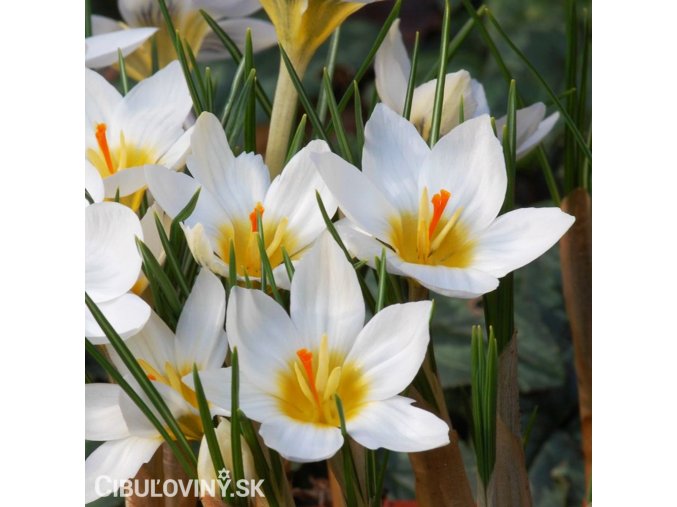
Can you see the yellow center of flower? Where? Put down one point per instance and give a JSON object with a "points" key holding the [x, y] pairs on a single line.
{"points": [[108, 159], [190, 424], [308, 387], [243, 235], [430, 237]]}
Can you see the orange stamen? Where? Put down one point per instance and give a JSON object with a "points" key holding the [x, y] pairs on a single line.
{"points": [[306, 358], [253, 216], [103, 145], [439, 203], [151, 377]]}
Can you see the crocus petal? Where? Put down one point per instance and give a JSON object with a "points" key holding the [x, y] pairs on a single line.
{"points": [[363, 246], [151, 236], [93, 182], [251, 316], [101, 101], [199, 332], [104, 24], [112, 261], [358, 197], [292, 195], [301, 442], [174, 190], [263, 37], [326, 298], [102, 50], [147, 12], [391, 347], [153, 112], [115, 461], [519, 237], [239, 183], [175, 157], [392, 156], [392, 68], [394, 424], [217, 387], [125, 182], [468, 162], [154, 344], [228, 8], [127, 314], [452, 282], [103, 417], [534, 139], [203, 251]]}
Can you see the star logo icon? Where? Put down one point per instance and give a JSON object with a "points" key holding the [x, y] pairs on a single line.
{"points": [[223, 474]]}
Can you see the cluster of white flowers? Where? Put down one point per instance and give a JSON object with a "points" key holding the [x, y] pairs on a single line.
{"points": [[433, 210]]}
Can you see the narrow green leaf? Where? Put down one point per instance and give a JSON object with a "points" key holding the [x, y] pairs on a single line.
{"points": [[359, 122], [260, 463], [172, 261], [232, 96], [455, 43], [209, 87], [441, 76], [336, 118], [156, 273], [198, 107], [510, 147], [303, 98], [201, 86], [366, 63], [232, 266], [548, 175], [411, 84], [297, 139], [140, 376], [115, 375], [154, 56], [237, 117], [235, 432], [175, 231], [490, 396], [529, 427], [349, 475], [268, 271], [207, 424], [288, 263], [250, 108], [123, 73], [235, 53], [329, 66], [382, 281], [262, 243], [88, 18], [378, 492]]}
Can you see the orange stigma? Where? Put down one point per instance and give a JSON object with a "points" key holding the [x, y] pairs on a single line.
{"points": [[103, 145], [258, 210], [439, 203], [306, 358]]}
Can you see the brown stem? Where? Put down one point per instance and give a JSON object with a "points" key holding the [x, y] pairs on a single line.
{"points": [[576, 259], [441, 480]]}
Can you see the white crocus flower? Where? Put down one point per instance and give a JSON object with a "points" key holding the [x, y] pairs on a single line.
{"points": [[392, 68], [436, 209], [291, 368], [231, 15], [234, 191], [102, 50], [145, 127], [167, 359], [112, 266]]}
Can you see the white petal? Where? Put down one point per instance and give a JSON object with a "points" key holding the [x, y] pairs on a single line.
{"points": [[174, 190], [228, 8], [394, 424], [147, 12], [199, 332], [102, 50], [127, 314], [326, 297], [468, 162], [362, 245], [101, 101], [151, 236], [357, 196], [115, 461], [205, 466], [103, 24], [154, 344], [203, 250], [464, 283], [238, 184], [175, 157], [301, 442], [263, 37], [292, 195], [391, 347], [478, 104], [519, 237], [152, 113], [126, 181], [103, 417], [112, 261], [392, 68], [217, 387], [93, 182], [264, 336], [392, 157]]}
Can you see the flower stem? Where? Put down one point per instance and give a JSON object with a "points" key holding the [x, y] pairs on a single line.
{"points": [[282, 117]]}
